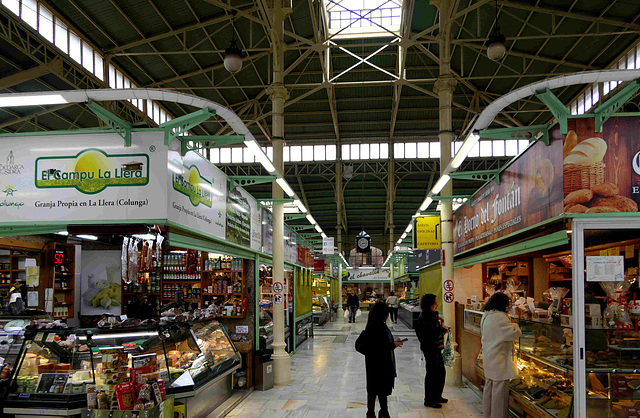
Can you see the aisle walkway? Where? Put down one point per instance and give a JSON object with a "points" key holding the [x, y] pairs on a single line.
{"points": [[328, 380]]}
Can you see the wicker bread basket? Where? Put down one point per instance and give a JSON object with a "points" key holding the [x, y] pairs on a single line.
{"points": [[578, 176], [243, 346]]}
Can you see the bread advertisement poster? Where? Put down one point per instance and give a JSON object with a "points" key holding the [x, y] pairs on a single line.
{"points": [[601, 170], [530, 191]]}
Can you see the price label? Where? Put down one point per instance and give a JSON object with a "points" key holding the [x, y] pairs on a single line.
{"points": [[242, 329], [39, 336], [448, 285], [50, 338], [448, 297]]}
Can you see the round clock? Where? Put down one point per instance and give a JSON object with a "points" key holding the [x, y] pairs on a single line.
{"points": [[363, 243]]}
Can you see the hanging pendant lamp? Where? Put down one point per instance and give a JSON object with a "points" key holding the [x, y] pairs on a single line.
{"points": [[233, 54], [496, 49]]}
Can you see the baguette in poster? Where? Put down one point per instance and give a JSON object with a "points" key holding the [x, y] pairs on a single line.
{"points": [[590, 151]]}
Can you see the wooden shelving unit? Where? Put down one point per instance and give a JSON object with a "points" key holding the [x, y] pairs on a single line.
{"points": [[500, 272]]}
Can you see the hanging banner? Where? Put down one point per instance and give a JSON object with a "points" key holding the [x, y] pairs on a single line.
{"points": [[327, 245], [239, 217], [290, 246], [83, 177], [426, 232], [267, 232], [368, 274], [197, 193]]}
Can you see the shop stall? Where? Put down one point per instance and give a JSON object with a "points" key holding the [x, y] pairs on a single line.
{"points": [[303, 306], [321, 298], [557, 231], [369, 284]]}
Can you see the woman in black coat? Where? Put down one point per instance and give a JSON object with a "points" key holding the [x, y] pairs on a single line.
{"points": [[379, 360], [430, 332]]}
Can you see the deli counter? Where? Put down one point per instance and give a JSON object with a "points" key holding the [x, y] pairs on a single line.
{"points": [[55, 366]]}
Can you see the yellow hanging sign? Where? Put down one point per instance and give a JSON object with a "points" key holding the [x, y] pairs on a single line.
{"points": [[427, 232]]}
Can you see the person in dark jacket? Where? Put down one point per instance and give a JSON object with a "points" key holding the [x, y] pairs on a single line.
{"points": [[430, 332], [380, 362], [353, 303]]}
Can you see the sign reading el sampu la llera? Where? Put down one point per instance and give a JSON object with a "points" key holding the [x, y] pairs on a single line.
{"points": [[194, 186], [427, 232], [92, 170]]}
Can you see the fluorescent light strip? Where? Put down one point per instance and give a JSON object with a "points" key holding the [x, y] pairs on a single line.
{"points": [[300, 206], [285, 187], [65, 233], [31, 100], [145, 236], [318, 228], [89, 237], [260, 155], [440, 184], [466, 147], [426, 203], [311, 220]]}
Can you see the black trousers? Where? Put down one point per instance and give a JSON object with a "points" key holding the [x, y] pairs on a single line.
{"points": [[434, 379], [393, 314]]}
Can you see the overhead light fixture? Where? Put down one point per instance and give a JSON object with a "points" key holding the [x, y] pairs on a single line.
{"points": [[440, 184], [64, 233], [465, 149], [145, 236], [323, 235], [36, 99], [318, 229], [260, 155], [89, 237], [233, 54], [496, 48], [409, 228], [403, 236], [311, 220], [285, 187], [426, 203], [300, 206]]}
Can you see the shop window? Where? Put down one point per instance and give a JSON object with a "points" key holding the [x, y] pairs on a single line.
{"points": [[307, 153], [236, 155], [61, 36], [330, 152], [318, 153], [511, 147], [296, 153], [30, 13], [355, 151], [45, 23], [434, 149], [374, 151]]}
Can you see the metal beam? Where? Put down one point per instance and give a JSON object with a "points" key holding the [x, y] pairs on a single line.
{"points": [[557, 108], [294, 216], [297, 228], [273, 202], [53, 66], [179, 126], [122, 128], [531, 133], [243, 181], [480, 175], [608, 108]]}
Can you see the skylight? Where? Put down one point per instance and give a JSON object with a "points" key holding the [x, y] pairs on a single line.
{"points": [[362, 18]]}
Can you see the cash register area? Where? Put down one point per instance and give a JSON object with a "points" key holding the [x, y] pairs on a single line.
{"points": [[328, 380]]}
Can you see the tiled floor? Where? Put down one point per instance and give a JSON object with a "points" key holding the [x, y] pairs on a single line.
{"points": [[328, 380]]}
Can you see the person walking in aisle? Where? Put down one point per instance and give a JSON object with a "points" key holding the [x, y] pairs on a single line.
{"points": [[430, 331], [353, 303], [393, 303], [378, 345], [498, 335]]}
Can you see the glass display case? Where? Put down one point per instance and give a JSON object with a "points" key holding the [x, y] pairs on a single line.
{"points": [[321, 309], [545, 367], [409, 312], [55, 366], [472, 320]]}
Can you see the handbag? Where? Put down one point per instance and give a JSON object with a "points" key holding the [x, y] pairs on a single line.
{"points": [[361, 342]]}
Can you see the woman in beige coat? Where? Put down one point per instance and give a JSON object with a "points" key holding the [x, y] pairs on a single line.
{"points": [[498, 335]]}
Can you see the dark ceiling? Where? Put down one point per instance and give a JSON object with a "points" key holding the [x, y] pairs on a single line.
{"points": [[179, 45]]}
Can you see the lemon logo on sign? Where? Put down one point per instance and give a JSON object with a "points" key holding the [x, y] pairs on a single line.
{"points": [[195, 187], [92, 170]]}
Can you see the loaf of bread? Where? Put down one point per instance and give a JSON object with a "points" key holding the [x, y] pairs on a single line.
{"points": [[570, 141], [590, 151], [578, 196], [605, 189]]}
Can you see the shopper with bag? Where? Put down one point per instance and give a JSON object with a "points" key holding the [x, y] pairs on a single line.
{"points": [[498, 336], [430, 331], [353, 303], [393, 303], [377, 344]]}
